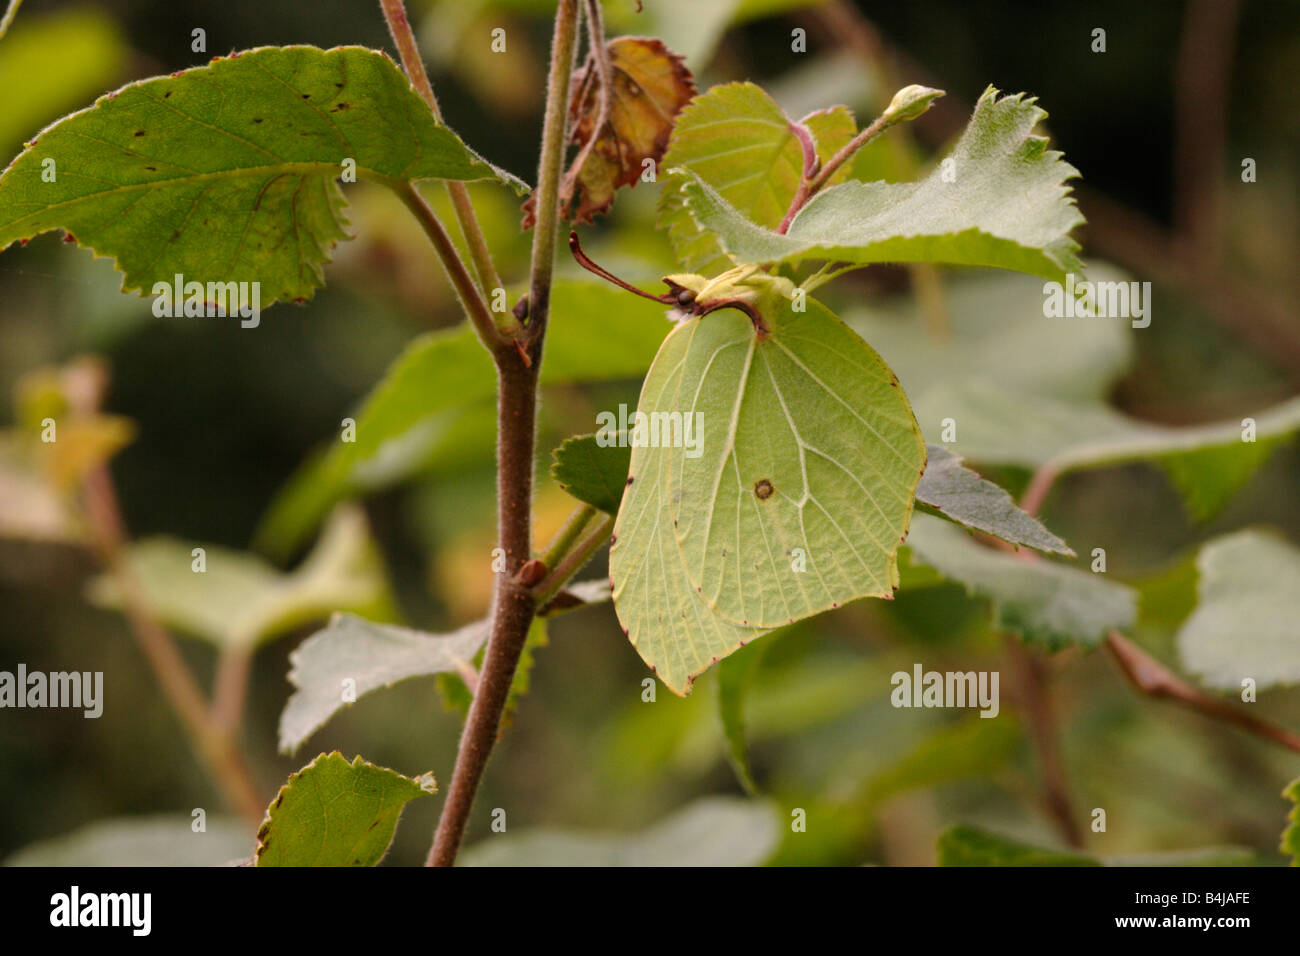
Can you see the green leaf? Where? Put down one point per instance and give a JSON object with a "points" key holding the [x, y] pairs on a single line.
{"points": [[161, 840], [1041, 602], [1291, 835], [714, 831], [597, 333], [998, 200], [335, 813], [1197, 856], [736, 139], [1244, 625], [961, 495], [688, 26], [998, 337], [803, 440], [592, 472], [1208, 477], [972, 846], [370, 656], [241, 600], [226, 172], [1072, 436], [735, 675], [972, 747]]}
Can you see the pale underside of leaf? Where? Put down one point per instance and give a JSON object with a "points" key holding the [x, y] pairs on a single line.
{"points": [[1244, 624], [713, 831], [372, 656], [239, 600]]}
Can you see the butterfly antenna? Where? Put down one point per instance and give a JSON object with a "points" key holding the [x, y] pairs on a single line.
{"points": [[585, 261]]}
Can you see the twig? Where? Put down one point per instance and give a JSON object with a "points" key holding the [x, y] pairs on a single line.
{"points": [[409, 52], [845, 152], [1144, 671], [230, 687], [843, 23], [1248, 310], [1040, 719], [513, 605], [599, 54], [8, 18], [471, 298], [213, 748], [84, 386], [1155, 680], [1201, 100], [1039, 485]]}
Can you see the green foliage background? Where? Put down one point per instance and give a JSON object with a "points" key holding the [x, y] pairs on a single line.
{"points": [[226, 415]]}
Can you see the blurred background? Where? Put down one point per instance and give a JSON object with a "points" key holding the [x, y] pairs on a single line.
{"points": [[1158, 125]]}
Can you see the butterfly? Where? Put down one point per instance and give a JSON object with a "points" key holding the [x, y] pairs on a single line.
{"points": [[799, 493]]}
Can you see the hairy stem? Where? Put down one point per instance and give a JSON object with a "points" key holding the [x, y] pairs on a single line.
{"points": [[471, 298], [845, 153], [403, 36], [513, 605]]}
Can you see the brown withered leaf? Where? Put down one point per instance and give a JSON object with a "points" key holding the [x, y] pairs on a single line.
{"points": [[650, 85]]}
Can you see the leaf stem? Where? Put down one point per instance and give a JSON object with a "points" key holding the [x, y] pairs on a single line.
{"points": [[230, 687], [599, 53], [517, 374], [471, 298], [399, 26], [1152, 678], [573, 560], [573, 527], [845, 153], [804, 135], [1041, 725]]}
